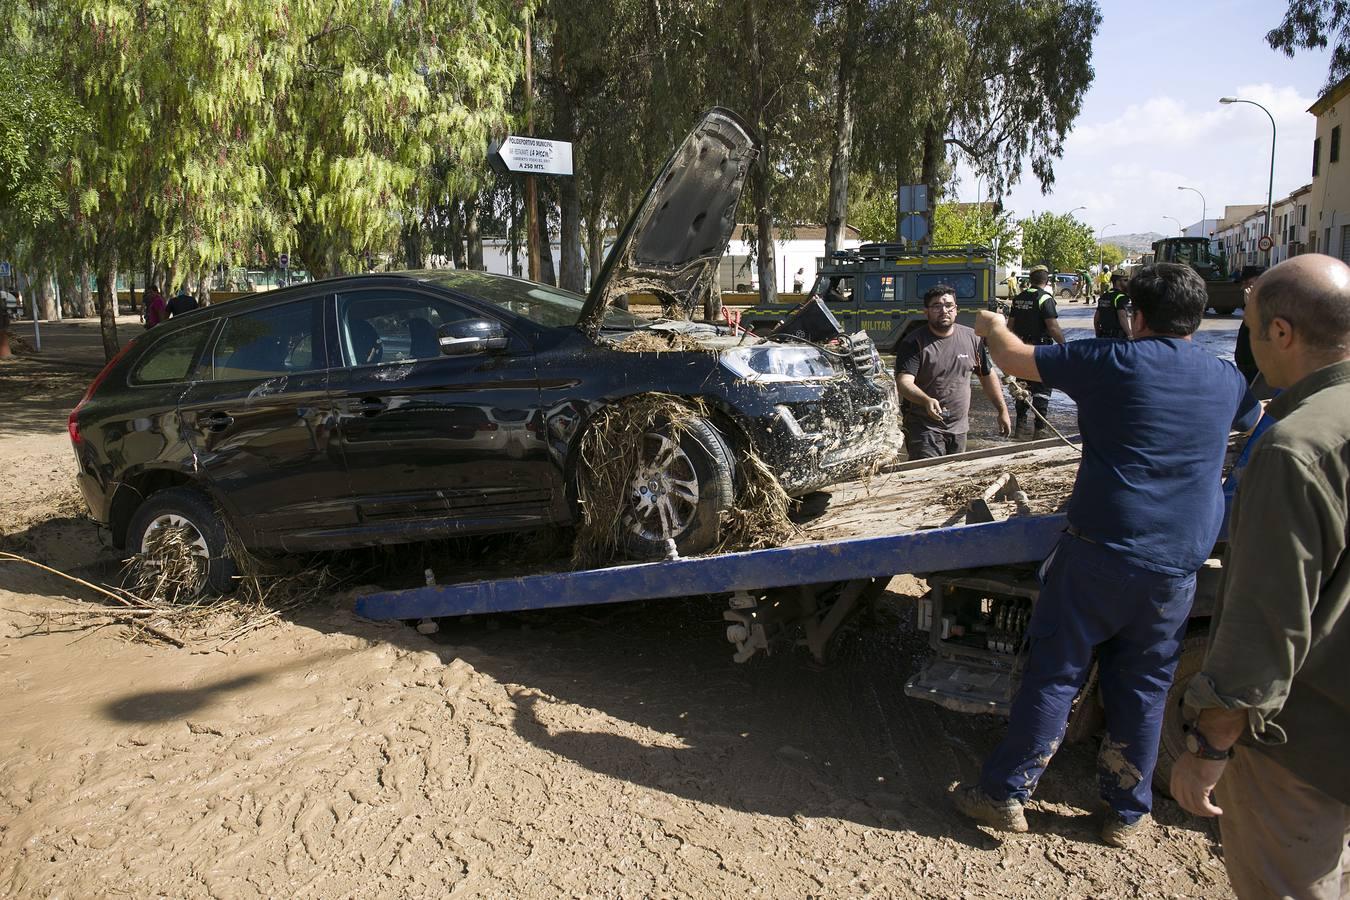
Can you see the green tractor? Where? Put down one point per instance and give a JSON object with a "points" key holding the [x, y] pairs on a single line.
{"points": [[1225, 295]]}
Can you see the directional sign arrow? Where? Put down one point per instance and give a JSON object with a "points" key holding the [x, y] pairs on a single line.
{"points": [[532, 156]]}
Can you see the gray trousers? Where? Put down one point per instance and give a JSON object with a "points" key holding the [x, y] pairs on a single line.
{"points": [[923, 442], [1282, 837]]}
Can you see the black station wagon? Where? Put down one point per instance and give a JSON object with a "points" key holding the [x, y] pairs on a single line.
{"points": [[390, 408]]}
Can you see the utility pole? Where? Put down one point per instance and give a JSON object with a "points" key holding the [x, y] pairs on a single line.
{"points": [[531, 225]]}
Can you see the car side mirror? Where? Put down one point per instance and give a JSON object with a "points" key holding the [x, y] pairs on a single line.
{"points": [[469, 336]]}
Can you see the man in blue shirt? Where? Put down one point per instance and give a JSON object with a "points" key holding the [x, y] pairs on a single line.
{"points": [[1155, 414]]}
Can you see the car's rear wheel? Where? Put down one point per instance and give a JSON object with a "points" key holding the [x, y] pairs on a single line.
{"points": [[198, 552], [683, 483], [1172, 741]]}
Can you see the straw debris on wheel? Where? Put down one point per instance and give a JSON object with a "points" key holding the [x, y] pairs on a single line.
{"points": [[609, 457]]}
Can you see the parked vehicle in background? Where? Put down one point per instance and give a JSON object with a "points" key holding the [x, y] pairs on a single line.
{"points": [[378, 409], [1068, 284], [879, 288], [12, 305], [1225, 295]]}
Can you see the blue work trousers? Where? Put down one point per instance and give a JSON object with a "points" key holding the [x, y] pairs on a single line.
{"points": [[1092, 598]]}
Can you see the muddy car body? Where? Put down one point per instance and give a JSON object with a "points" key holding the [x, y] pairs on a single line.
{"points": [[390, 408]]}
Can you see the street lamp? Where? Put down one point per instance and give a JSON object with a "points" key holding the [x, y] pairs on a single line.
{"points": [[1180, 230], [1270, 188], [1069, 214], [1101, 251], [1204, 207]]}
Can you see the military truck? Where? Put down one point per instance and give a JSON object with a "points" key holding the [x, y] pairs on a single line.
{"points": [[1225, 295], [878, 288]]}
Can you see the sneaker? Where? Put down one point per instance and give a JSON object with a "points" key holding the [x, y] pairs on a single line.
{"points": [[1116, 833], [1003, 815]]}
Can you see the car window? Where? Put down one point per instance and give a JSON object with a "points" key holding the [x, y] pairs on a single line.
{"points": [[173, 358], [394, 326], [964, 282], [278, 340], [834, 288]]}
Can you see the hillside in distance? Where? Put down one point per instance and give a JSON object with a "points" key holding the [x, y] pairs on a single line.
{"points": [[1133, 244]]}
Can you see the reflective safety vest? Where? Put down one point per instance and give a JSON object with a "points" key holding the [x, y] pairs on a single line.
{"points": [[1108, 304], [1026, 320]]}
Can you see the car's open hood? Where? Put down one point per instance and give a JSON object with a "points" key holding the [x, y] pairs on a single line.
{"points": [[679, 232]]}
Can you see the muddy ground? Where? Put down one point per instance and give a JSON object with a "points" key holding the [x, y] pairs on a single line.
{"points": [[611, 751]]}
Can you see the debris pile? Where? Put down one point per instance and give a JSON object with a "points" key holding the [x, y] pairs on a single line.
{"points": [[609, 457], [659, 342]]}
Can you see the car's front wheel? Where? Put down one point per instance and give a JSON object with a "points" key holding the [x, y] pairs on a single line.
{"points": [[683, 482], [178, 531]]}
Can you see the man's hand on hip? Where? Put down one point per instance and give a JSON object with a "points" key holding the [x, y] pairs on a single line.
{"points": [[1193, 780]]}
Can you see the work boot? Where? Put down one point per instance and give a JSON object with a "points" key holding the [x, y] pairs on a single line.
{"points": [[1002, 815], [1118, 833]]}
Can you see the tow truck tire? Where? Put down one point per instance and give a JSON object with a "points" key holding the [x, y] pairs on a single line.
{"points": [[704, 454], [1172, 742]]}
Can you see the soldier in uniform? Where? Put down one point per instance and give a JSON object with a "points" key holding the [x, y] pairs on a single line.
{"points": [[1035, 319], [1113, 310]]}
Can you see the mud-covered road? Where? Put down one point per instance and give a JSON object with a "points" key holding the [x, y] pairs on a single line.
{"points": [[613, 752]]}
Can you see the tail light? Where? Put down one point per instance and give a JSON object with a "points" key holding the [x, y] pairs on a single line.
{"points": [[72, 422]]}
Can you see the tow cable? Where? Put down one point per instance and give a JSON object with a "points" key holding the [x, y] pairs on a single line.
{"points": [[1021, 393]]}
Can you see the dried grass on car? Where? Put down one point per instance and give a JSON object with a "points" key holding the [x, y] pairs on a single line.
{"points": [[608, 459], [659, 342]]}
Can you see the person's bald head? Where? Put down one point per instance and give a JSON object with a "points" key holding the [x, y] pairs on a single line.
{"points": [[1311, 293]]}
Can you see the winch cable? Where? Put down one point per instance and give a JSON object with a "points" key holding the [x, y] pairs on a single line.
{"points": [[1019, 392]]}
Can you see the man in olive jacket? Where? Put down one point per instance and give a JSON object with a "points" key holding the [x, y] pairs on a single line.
{"points": [[1274, 682]]}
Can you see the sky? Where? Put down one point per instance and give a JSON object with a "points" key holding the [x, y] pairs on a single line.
{"points": [[1152, 121]]}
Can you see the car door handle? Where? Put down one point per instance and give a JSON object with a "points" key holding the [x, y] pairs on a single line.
{"points": [[215, 421], [371, 406]]}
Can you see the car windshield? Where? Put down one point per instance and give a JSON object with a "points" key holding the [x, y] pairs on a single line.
{"points": [[544, 305]]}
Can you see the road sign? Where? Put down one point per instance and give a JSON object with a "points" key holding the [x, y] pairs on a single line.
{"points": [[284, 260], [914, 227], [4, 270], [913, 198], [1265, 243], [533, 156]]}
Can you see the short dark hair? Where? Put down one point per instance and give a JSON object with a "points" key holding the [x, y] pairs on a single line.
{"points": [[936, 291], [1171, 298], [1040, 277]]}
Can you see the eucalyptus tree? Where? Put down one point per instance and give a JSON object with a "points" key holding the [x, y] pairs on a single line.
{"points": [[1311, 25], [1001, 81]]}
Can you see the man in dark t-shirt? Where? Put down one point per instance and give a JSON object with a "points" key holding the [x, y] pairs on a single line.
{"points": [[181, 304], [1155, 413], [933, 365], [1035, 319]]}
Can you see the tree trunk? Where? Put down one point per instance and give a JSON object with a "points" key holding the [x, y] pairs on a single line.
{"points": [[547, 274], [70, 300], [836, 216], [88, 308], [107, 304], [572, 276], [473, 237], [412, 239], [595, 242], [456, 232], [759, 176], [45, 297]]}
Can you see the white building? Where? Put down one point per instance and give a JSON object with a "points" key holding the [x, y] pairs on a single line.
{"points": [[795, 249]]}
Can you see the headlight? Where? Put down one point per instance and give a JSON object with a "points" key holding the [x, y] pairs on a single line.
{"points": [[770, 362]]}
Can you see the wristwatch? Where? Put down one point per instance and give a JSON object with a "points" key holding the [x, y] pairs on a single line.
{"points": [[1198, 745]]}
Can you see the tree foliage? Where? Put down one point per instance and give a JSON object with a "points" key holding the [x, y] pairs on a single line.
{"points": [[1060, 243], [1111, 254], [38, 130], [978, 224], [1312, 25]]}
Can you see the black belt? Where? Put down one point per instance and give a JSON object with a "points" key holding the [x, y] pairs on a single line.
{"points": [[1072, 531]]}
